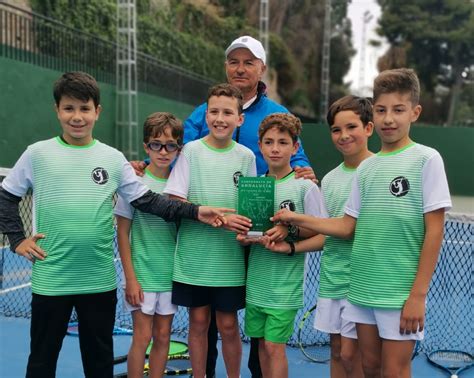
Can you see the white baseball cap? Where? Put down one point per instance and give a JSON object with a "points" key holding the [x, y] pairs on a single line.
{"points": [[250, 43]]}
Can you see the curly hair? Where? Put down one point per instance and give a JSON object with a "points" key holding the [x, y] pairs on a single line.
{"points": [[282, 122]]}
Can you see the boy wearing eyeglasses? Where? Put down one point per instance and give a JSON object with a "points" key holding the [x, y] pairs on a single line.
{"points": [[147, 252]]}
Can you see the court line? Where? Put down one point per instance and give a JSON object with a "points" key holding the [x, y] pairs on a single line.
{"points": [[22, 286], [5, 291]]}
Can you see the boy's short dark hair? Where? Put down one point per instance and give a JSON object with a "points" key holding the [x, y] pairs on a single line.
{"points": [[401, 80], [156, 123], [78, 85], [227, 90], [282, 122], [359, 105]]}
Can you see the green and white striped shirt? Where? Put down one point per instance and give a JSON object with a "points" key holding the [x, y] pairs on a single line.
{"points": [[73, 187], [153, 241], [208, 256], [390, 195], [335, 262], [275, 280]]}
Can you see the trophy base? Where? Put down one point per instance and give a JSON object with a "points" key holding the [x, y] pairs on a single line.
{"points": [[254, 234]]}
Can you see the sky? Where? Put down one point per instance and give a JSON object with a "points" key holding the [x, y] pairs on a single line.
{"points": [[355, 12]]}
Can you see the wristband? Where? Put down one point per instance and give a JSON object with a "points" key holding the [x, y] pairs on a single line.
{"points": [[293, 231], [292, 248]]}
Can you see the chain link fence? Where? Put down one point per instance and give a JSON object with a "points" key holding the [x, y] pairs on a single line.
{"points": [[33, 38]]}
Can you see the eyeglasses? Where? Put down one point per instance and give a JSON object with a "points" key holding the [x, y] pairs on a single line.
{"points": [[157, 146]]}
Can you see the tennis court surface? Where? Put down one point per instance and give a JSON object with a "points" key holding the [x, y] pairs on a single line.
{"points": [[449, 312], [14, 346]]}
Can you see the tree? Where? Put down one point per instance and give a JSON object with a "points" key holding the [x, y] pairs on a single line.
{"points": [[194, 34], [438, 39], [96, 17], [300, 24]]}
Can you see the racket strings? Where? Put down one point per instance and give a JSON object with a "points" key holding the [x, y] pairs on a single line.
{"points": [[452, 359], [178, 366], [314, 349]]}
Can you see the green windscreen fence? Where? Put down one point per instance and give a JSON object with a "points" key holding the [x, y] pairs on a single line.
{"points": [[453, 143]]}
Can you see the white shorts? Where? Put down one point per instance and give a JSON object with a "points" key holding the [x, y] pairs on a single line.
{"points": [[155, 303], [387, 321], [328, 318]]}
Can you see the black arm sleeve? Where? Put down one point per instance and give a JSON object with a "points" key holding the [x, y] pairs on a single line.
{"points": [[10, 220], [168, 209]]}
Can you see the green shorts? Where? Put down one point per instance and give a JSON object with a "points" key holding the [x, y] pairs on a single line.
{"points": [[275, 325]]}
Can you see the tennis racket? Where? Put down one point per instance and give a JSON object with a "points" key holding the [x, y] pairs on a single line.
{"points": [[176, 348], [176, 365], [452, 361], [317, 352], [73, 330], [416, 350]]}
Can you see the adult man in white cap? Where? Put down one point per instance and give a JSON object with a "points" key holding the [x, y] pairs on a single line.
{"points": [[245, 65]]}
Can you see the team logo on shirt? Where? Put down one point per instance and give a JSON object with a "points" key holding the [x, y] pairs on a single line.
{"points": [[399, 186], [236, 178], [288, 204], [100, 176]]}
